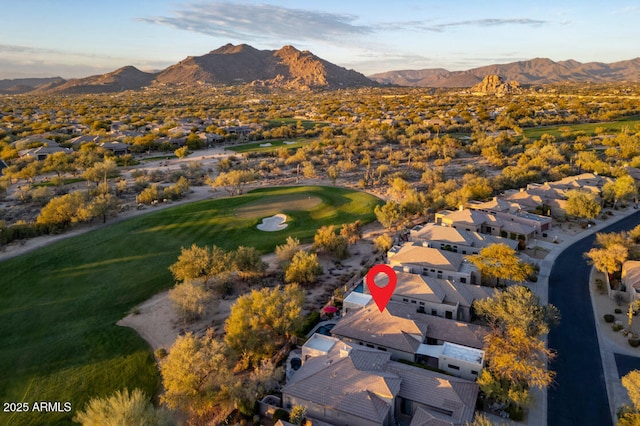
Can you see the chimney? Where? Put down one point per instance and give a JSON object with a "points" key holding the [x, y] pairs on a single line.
{"points": [[344, 351]]}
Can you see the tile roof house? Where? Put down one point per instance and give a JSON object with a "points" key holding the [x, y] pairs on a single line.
{"points": [[456, 240], [419, 259], [427, 294], [352, 385], [520, 226], [400, 333], [553, 194], [401, 330]]}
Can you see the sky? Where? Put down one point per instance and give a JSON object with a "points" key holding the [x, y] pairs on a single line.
{"points": [[78, 38]]}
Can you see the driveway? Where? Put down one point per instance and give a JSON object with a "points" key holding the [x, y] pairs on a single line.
{"points": [[579, 396]]}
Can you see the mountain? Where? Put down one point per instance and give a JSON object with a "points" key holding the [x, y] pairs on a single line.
{"points": [[229, 64], [534, 71], [287, 67], [24, 85], [125, 78]]}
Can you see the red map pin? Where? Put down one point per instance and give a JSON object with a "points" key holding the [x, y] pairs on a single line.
{"points": [[381, 295]]}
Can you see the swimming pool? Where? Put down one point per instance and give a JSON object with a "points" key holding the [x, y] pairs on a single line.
{"points": [[325, 329]]}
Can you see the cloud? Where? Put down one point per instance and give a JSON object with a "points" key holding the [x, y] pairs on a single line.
{"points": [[245, 21], [29, 61], [488, 22]]}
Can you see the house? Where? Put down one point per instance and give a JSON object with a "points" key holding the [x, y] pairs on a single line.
{"points": [[631, 279], [42, 152], [456, 240], [401, 330], [78, 141], [553, 195], [430, 295], [520, 226], [399, 333], [420, 259], [352, 385], [457, 360], [118, 148]]}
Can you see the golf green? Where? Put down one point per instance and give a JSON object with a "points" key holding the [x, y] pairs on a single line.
{"points": [[59, 304]]}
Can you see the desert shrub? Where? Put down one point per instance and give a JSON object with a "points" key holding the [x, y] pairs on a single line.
{"points": [[280, 414], [617, 310], [617, 327], [309, 322], [634, 342], [609, 318], [515, 413], [161, 353]]}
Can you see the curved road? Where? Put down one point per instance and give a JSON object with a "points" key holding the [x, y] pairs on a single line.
{"points": [[579, 396]]}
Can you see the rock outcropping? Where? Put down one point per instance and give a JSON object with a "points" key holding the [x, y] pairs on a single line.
{"points": [[494, 84]]}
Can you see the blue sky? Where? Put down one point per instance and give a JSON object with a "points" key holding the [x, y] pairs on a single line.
{"points": [[71, 38]]}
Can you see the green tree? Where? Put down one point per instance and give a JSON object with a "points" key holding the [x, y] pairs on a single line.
{"points": [[333, 173], [201, 263], [517, 306], [150, 195], [193, 263], [264, 378], [61, 211], [123, 408], [196, 377], [190, 299], [298, 412], [248, 262], [501, 262], [99, 172], [623, 189], [608, 260], [182, 152], [352, 232], [630, 415], [516, 362], [303, 268], [383, 243], [326, 239], [102, 205], [286, 251], [390, 215], [58, 162], [262, 320], [582, 204], [233, 181]]}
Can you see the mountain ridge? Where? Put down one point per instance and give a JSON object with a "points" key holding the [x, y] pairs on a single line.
{"points": [[532, 71], [291, 68]]}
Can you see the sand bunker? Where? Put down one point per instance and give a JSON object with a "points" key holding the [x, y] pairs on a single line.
{"points": [[273, 223]]}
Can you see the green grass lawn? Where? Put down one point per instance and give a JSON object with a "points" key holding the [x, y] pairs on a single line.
{"points": [[307, 124], [59, 304], [275, 144], [589, 129]]}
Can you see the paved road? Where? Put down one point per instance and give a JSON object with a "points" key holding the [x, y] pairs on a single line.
{"points": [[579, 396]]}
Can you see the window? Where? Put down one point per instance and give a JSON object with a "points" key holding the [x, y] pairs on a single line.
{"points": [[404, 299], [463, 280], [449, 277], [453, 367], [369, 345], [413, 301], [405, 406], [475, 373], [421, 303], [448, 315], [434, 312], [382, 349]]}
